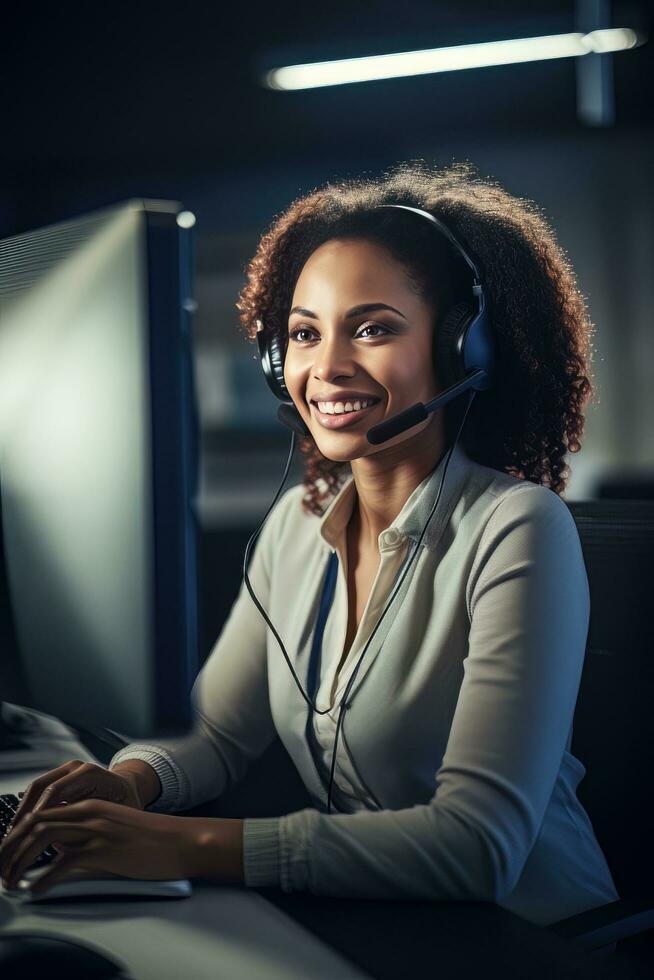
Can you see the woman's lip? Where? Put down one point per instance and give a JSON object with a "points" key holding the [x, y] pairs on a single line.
{"points": [[341, 420]]}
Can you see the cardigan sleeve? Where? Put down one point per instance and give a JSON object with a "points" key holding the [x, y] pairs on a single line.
{"points": [[232, 719], [528, 603]]}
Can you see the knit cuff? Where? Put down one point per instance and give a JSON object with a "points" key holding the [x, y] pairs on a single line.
{"points": [[261, 852], [295, 834], [168, 774]]}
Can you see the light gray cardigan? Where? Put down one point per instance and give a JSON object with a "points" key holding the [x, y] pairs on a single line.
{"points": [[460, 722]]}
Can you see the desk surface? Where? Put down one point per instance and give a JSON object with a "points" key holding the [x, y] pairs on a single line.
{"points": [[240, 933], [218, 932]]}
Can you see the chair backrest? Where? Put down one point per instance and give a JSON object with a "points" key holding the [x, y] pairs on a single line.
{"points": [[613, 731]]}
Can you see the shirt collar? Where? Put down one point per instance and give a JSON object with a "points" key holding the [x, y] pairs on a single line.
{"points": [[413, 516]]}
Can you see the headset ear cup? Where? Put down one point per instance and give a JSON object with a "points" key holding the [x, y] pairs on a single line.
{"points": [[272, 356], [448, 361], [277, 354]]}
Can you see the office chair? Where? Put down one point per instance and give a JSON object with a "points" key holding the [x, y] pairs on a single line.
{"points": [[613, 733]]}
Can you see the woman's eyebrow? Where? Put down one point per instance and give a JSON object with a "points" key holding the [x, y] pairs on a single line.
{"points": [[355, 311]]}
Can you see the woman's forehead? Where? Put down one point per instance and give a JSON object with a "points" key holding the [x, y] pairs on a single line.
{"points": [[352, 264]]}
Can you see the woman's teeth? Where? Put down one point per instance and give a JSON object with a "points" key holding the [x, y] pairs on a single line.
{"points": [[339, 408]]}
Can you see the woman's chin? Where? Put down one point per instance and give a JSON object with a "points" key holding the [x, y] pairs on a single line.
{"points": [[342, 453], [336, 457]]}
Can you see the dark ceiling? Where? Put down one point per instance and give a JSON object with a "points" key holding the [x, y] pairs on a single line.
{"points": [[117, 89]]}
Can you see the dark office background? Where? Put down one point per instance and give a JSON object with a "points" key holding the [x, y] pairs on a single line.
{"points": [[101, 104]]}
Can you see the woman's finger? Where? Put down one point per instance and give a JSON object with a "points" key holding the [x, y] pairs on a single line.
{"points": [[35, 843], [35, 789], [82, 810], [78, 813], [71, 836], [65, 868], [15, 838], [79, 784]]}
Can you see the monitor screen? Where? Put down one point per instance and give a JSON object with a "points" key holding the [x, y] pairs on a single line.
{"points": [[98, 470]]}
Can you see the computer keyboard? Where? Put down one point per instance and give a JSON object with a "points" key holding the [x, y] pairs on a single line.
{"points": [[8, 806]]}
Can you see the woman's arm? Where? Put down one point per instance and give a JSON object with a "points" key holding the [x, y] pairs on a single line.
{"points": [[529, 605], [143, 778], [233, 722]]}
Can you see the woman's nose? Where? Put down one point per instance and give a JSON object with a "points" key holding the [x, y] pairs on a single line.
{"points": [[333, 358]]}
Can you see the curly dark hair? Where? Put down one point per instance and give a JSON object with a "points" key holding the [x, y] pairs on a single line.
{"points": [[534, 412]]}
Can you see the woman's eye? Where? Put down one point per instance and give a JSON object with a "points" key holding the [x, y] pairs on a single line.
{"points": [[372, 326], [296, 333]]}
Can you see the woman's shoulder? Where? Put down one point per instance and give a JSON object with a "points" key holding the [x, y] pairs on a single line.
{"points": [[527, 532], [506, 497], [527, 511], [290, 504], [288, 518]]}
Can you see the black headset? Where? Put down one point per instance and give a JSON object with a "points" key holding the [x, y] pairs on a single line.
{"points": [[465, 357]]}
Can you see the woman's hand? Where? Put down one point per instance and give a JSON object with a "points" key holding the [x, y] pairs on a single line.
{"points": [[74, 781], [107, 838]]}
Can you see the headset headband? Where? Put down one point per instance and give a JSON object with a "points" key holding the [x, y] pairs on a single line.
{"points": [[445, 231]]}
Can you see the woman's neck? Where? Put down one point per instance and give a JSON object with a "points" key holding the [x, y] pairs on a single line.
{"points": [[385, 480]]}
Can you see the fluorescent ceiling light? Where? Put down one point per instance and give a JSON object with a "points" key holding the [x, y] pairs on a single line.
{"points": [[454, 58]]}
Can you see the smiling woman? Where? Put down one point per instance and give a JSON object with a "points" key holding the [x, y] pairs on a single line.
{"points": [[453, 778]]}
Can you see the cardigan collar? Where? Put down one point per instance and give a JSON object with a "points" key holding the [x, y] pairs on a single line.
{"points": [[413, 516]]}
